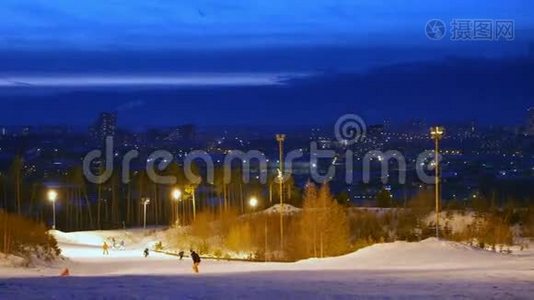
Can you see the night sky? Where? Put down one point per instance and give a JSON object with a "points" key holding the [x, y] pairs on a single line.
{"points": [[268, 63]]}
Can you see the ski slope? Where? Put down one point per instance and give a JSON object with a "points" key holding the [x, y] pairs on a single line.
{"points": [[399, 270]]}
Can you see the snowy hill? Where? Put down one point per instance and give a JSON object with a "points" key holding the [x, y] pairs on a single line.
{"points": [[428, 254], [288, 209]]}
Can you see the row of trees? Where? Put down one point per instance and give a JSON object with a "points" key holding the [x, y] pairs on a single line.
{"points": [[325, 228], [319, 229], [82, 205]]}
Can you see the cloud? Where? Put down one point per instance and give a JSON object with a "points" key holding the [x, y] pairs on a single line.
{"points": [[179, 80]]}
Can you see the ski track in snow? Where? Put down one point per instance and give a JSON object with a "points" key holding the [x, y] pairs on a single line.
{"points": [[430, 268]]}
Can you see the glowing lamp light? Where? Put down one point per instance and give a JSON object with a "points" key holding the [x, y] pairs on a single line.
{"points": [[52, 195], [437, 132], [253, 202], [176, 194]]}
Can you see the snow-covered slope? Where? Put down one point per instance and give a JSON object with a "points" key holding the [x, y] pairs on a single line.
{"points": [[428, 254], [427, 268]]}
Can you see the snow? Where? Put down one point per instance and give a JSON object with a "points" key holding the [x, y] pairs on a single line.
{"points": [[288, 209], [402, 270]]}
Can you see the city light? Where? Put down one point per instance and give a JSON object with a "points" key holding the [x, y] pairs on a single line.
{"points": [[176, 194], [253, 202], [52, 195]]}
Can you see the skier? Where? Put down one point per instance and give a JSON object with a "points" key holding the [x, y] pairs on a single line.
{"points": [[145, 252], [114, 245], [181, 254], [122, 245], [196, 260], [105, 248]]}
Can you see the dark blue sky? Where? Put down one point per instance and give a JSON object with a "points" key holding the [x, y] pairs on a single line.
{"points": [[267, 62]]}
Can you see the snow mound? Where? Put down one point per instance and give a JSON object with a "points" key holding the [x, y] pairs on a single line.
{"points": [[12, 261], [427, 254], [288, 209]]}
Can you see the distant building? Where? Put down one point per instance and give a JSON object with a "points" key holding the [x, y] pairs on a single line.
{"points": [[26, 131], [375, 130], [185, 132], [316, 134], [105, 125]]}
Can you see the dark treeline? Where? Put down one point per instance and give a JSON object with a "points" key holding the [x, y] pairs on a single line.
{"points": [[82, 205]]}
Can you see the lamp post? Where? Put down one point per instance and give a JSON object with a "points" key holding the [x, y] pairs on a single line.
{"points": [[436, 134], [52, 197], [146, 201], [280, 138], [177, 197]]}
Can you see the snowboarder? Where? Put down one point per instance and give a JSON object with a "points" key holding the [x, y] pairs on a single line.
{"points": [[105, 249], [145, 252], [196, 260], [181, 254]]}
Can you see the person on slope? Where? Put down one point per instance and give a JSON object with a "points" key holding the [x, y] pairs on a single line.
{"points": [[181, 254], [145, 253], [196, 260], [105, 248]]}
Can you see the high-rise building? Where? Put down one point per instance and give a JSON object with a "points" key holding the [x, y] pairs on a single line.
{"points": [[105, 125]]}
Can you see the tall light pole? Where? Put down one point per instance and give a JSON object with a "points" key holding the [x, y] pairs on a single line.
{"points": [[146, 201], [437, 133], [52, 197], [280, 138], [177, 197]]}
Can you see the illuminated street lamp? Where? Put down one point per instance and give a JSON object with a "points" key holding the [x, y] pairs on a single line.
{"points": [[280, 138], [253, 202], [176, 194], [146, 201], [436, 133], [52, 197], [177, 197]]}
